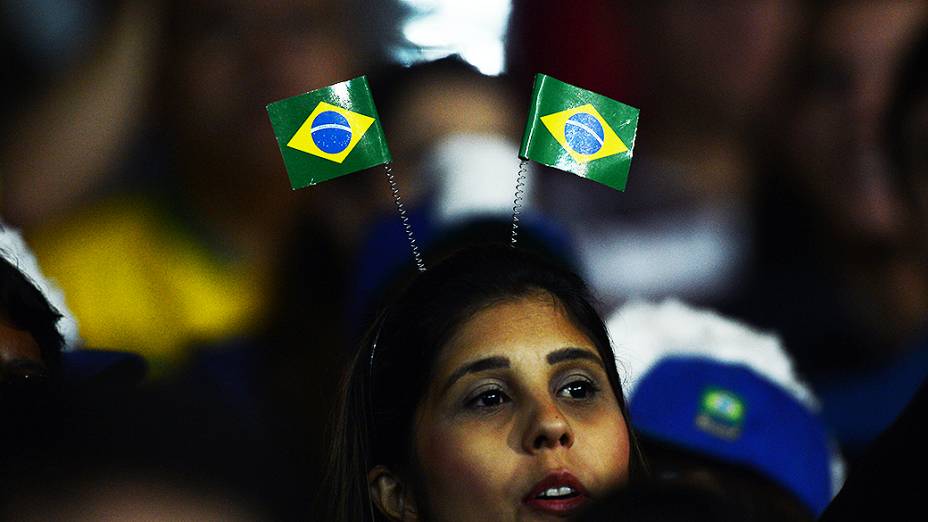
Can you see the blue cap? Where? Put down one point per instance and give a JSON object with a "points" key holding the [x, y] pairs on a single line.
{"points": [[733, 414]]}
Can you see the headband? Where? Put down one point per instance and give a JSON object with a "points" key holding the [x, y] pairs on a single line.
{"points": [[334, 131]]}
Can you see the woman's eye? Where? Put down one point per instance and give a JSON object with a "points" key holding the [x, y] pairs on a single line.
{"points": [[578, 390], [488, 399]]}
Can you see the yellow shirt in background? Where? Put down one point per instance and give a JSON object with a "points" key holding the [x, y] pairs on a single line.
{"points": [[138, 282]]}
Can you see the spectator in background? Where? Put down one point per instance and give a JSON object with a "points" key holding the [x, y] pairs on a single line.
{"points": [[890, 383], [30, 339], [45, 379], [83, 441], [836, 139], [35, 322], [41, 341], [185, 247], [719, 407], [880, 484], [835, 273], [710, 76], [838, 143]]}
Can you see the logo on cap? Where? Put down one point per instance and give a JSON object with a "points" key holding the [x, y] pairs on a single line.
{"points": [[721, 413]]}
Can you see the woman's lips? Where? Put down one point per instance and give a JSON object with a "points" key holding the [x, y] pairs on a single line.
{"points": [[559, 493]]}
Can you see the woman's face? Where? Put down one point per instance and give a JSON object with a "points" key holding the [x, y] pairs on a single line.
{"points": [[520, 422]]}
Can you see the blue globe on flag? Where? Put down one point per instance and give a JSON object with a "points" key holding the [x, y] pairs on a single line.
{"points": [[583, 133], [331, 132]]}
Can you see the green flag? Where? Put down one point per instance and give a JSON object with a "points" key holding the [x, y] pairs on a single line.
{"points": [[329, 132], [579, 131]]}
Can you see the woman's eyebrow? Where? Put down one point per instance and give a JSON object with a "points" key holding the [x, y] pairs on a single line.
{"points": [[480, 365], [572, 354]]}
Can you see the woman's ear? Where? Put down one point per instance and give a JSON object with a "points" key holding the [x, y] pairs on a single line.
{"points": [[390, 495]]}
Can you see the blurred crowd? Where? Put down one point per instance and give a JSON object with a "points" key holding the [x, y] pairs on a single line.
{"points": [[780, 178]]}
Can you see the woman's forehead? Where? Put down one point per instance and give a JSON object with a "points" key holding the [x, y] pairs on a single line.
{"points": [[524, 329]]}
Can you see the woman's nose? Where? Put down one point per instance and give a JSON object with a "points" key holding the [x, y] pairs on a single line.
{"points": [[547, 428]]}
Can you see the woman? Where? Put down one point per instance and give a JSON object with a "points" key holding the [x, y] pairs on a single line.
{"points": [[487, 391]]}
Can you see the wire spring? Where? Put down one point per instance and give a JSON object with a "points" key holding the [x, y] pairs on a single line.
{"points": [[394, 188], [517, 200]]}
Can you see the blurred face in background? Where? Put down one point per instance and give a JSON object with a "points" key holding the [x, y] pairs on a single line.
{"points": [[20, 355], [233, 57], [724, 56], [520, 421], [837, 141], [837, 137], [16, 344]]}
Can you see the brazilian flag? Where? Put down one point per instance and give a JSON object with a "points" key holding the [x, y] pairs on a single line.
{"points": [[579, 131], [329, 132]]}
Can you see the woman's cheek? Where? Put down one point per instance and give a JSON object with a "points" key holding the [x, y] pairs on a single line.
{"points": [[464, 468], [610, 451]]}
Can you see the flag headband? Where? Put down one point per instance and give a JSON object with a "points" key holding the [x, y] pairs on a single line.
{"points": [[335, 131], [577, 131]]}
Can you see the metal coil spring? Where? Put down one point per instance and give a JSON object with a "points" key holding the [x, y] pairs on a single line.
{"points": [[394, 188], [517, 201]]}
